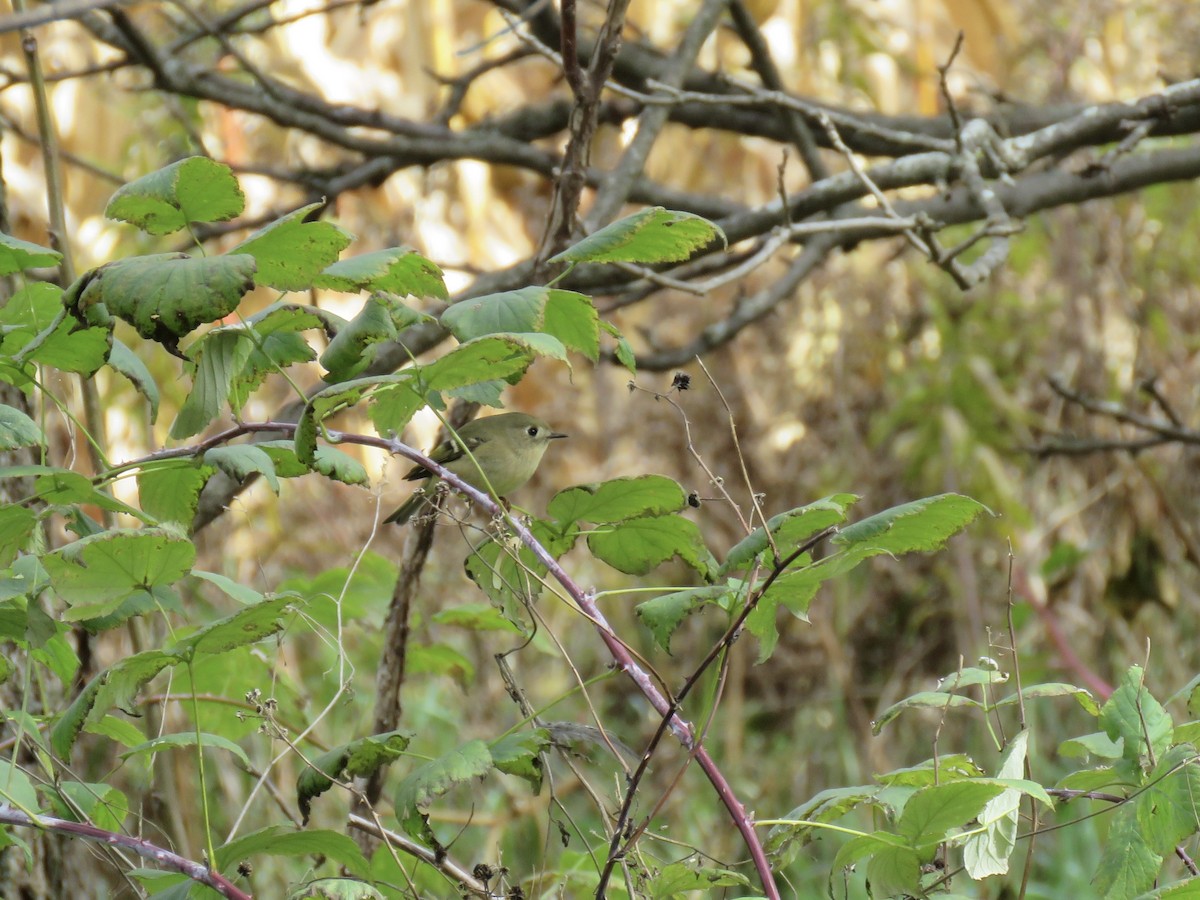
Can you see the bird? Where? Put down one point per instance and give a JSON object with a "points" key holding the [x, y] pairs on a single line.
{"points": [[501, 453]]}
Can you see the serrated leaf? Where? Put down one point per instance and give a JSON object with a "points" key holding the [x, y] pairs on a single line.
{"points": [[789, 529], [246, 626], [329, 461], [17, 524], [359, 758], [240, 461], [1168, 810], [129, 364], [922, 525], [1133, 715], [170, 491], [291, 252], [923, 700], [18, 430], [187, 739], [243, 594], [331, 400], [196, 189], [219, 357], [94, 574], [663, 615], [424, 785], [35, 313], [116, 686], [520, 754], [17, 255], [1056, 689], [1128, 865], [347, 354], [166, 295], [282, 840], [652, 235], [678, 878], [566, 315], [1099, 745], [511, 576], [932, 812], [637, 546], [828, 805], [483, 359], [398, 270], [64, 488], [617, 500]]}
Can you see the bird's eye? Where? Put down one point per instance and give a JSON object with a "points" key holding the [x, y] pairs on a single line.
{"points": [[532, 431]]}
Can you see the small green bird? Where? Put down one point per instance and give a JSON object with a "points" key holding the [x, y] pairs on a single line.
{"points": [[502, 453]]}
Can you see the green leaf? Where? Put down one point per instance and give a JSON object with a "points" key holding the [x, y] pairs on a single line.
{"points": [[240, 461], [95, 574], [618, 500], [281, 840], [243, 594], [17, 255], [330, 462], [932, 812], [167, 295], [358, 759], [291, 252], [894, 871], [424, 785], [1133, 715], [1099, 745], [116, 686], [17, 524], [170, 491], [98, 804], [246, 626], [329, 401], [789, 530], [16, 788], [924, 700], [398, 270], [441, 659], [519, 754], [62, 487], [129, 364], [1168, 810], [664, 614], [190, 190], [988, 853], [565, 315], [512, 577], [473, 616], [971, 676], [652, 235], [679, 878], [35, 312], [922, 525], [827, 806], [347, 354], [219, 357], [18, 430], [1055, 689], [637, 546], [483, 359], [187, 739], [1128, 865]]}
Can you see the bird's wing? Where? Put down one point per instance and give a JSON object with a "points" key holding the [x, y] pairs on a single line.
{"points": [[444, 453]]}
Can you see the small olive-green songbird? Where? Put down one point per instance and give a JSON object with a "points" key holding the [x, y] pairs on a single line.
{"points": [[504, 453]]}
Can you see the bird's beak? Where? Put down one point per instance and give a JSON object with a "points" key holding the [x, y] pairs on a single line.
{"points": [[554, 434]]}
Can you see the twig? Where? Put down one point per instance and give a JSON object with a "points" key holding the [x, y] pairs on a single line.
{"points": [[193, 870]]}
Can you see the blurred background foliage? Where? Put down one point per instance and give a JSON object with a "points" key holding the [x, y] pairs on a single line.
{"points": [[878, 376]]}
